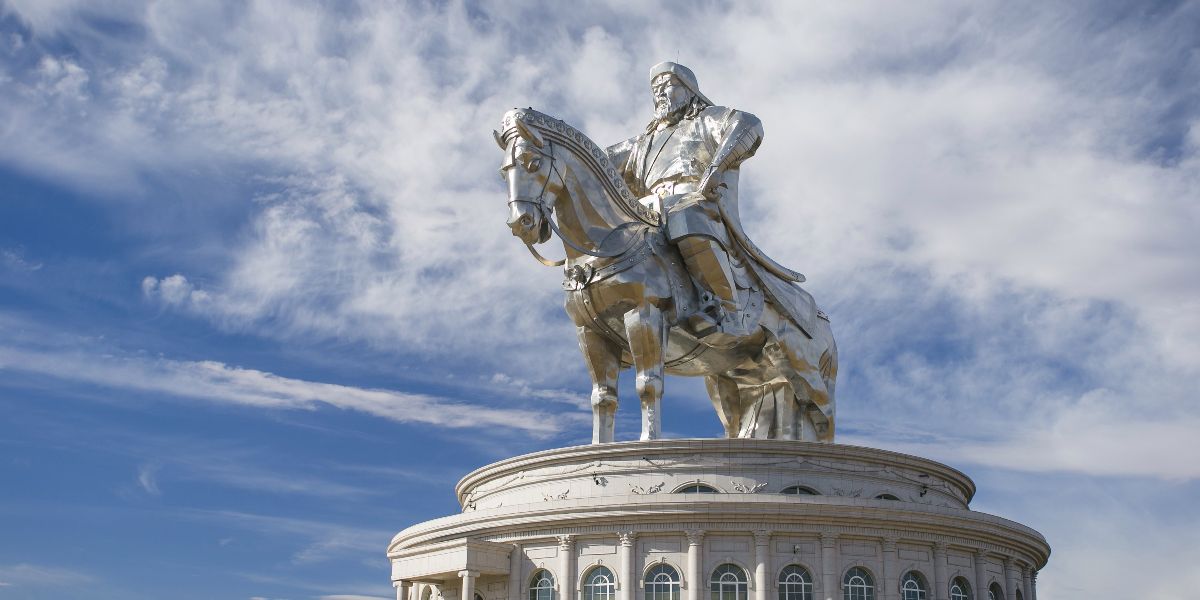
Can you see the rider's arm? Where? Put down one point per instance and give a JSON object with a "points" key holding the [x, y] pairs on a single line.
{"points": [[620, 155], [743, 132]]}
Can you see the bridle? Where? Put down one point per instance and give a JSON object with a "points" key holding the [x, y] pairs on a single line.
{"points": [[546, 212]]}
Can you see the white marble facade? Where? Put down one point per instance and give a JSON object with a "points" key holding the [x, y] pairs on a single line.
{"points": [[870, 522]]}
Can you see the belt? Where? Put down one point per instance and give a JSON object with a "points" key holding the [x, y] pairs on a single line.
{"points": [[670, 187]]}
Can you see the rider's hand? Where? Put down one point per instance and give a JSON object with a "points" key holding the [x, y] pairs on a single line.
{"points": [[710, 182]]}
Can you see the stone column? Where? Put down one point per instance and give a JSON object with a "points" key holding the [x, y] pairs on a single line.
{"points": [[1033, 584], [829, 562], [695, 559], [1026, 586], [891, 579], [1010, 579], [762, 556], [468, 584], [515, 564], [941, 587], [626, 579], [402, 588], [566, 571], [980, 576]]}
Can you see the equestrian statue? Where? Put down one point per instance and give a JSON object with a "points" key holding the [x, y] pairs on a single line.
{"points": [[661, 276]]}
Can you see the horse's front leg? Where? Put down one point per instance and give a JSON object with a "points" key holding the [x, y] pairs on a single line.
{"points": [[647, 338], [604, 365]]}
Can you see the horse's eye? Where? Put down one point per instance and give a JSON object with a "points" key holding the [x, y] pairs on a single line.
{"points": [[534, 165]]}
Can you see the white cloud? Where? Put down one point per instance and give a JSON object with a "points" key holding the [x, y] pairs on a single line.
{"points": [[29, 575], [175, 290], [322, 541], [980, 194], [14, 259], [216, 382], [147, 480]]}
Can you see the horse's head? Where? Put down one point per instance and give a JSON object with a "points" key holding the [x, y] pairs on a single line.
{"points": [[527, 168]]}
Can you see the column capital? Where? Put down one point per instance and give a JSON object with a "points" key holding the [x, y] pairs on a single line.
{"points": [[565, 541], [828, 539], [1033, 574], [889, 544], [694, 536], [627, 538], [397, 583], [1008, 563], [939, 547], [468, 573], [980, 557], [762, 537]]}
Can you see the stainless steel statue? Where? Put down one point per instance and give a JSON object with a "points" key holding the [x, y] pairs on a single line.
{"points": [[659, 273]]}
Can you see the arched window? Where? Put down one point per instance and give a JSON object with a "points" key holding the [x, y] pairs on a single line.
{"points": [[1019, 596], [960, 589], [995, 592], [662, 583], [478, 596], [599, 584], [728, 582], [858, 585], [912, 586], [795, 583], [541, 585], [799, 490], [886, 497], [697, 488]]}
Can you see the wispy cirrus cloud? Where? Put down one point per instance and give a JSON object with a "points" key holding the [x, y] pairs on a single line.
{"points": [[25, 575], [216, 382], [321, 540]]}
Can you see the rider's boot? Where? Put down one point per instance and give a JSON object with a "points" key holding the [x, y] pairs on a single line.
{"points": [[708, 263]]}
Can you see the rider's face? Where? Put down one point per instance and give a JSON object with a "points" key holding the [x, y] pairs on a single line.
{"points": [[669, 94]]}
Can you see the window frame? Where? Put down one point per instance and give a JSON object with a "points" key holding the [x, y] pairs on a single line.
{"points": [[533, 587], [717, 583], [914, 581], [686, 488], [964, 588], [674, 587], [588, 589], [806, 586], [866, 590], [806, 491]]}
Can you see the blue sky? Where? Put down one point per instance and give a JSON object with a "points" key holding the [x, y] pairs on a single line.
{"points": [[259, 309]]}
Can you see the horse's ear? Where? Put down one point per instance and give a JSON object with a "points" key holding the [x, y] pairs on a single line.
{"points": [[526, 132], [499, 139]]}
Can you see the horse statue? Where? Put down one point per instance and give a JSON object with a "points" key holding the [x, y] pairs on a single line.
{"points": [[629, 295]]}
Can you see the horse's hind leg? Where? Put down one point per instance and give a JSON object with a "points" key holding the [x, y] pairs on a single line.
{"points": [[723, 391], [795, 355], [604, 365], [647, 338]]}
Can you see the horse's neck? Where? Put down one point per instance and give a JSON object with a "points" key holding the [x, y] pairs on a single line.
{"points": [[587, 214]]}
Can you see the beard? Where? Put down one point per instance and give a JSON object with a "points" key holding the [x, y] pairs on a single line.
{"points": [[666, 111]]}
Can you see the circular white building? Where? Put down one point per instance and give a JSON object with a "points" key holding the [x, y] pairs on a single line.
{"points": [[717, 519]]}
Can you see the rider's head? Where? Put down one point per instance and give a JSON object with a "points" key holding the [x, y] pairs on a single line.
{"points": [[674, 89]]}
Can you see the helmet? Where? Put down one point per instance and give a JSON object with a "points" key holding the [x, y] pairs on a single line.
{"points": [[684, 74]]}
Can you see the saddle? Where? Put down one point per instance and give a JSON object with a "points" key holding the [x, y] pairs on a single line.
{"points": [[755, 287]]}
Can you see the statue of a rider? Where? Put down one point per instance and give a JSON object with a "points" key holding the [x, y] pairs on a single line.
{"points": [[685, 165]]}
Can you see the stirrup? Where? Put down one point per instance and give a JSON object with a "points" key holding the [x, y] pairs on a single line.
{"points": [[703, 324]]}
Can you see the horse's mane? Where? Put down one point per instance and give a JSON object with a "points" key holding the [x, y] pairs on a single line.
{"points": [[584, 148]]}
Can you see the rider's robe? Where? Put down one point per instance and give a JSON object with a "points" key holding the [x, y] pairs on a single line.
{"points": [[671, 160]]}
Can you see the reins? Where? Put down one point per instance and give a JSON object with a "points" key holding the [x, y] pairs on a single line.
{"points": [[547, 215]]}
